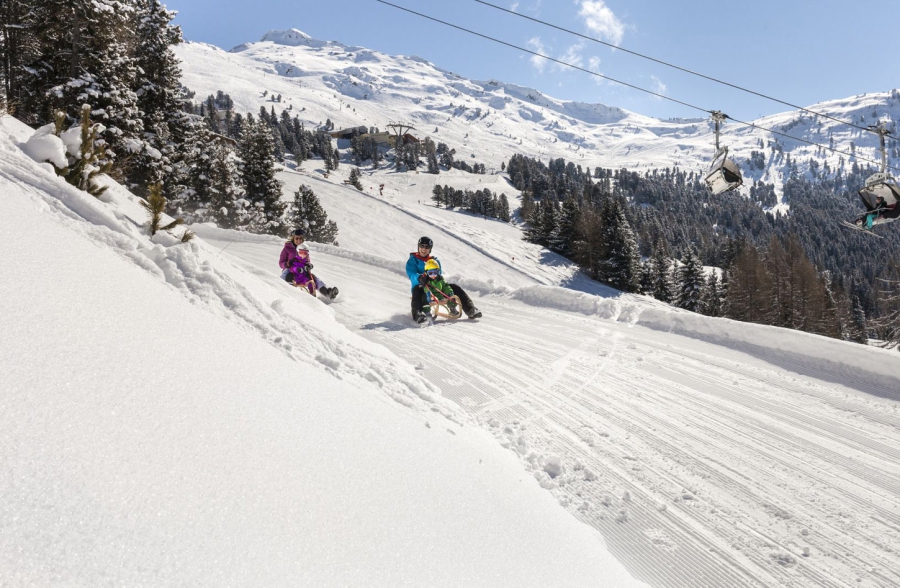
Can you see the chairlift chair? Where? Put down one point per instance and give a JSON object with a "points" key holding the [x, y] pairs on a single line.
{"points": [[880, 185], [723, 174]]}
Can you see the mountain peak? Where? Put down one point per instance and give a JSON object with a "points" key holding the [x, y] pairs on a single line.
{"points": [[291, 37]]}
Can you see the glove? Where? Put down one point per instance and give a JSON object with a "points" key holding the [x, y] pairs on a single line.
{"points": [[423, 279]]}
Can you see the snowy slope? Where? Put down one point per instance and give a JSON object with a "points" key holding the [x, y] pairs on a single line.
{"points": [[169, 418], [709, 453], [489, 121]]}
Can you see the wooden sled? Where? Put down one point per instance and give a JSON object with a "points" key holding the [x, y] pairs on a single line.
{"points": [[439, 302], [310, 286]]}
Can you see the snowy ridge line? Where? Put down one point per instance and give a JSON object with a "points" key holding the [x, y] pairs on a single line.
{"points": [[438, 227], [310, 336]]}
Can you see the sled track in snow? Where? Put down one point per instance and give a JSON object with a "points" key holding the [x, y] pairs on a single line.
{"points": [[702, 465], [748, 532]]}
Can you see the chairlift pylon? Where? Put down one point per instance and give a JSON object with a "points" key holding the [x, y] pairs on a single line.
{"points": [[723, 174]]}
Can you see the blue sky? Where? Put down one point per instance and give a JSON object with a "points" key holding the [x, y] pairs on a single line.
{"points": [[800, 51]]}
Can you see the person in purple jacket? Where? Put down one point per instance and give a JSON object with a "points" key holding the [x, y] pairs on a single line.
{"points": [[296, 267]]}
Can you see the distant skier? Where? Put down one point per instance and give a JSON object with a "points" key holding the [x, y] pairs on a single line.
{"points": [[415, 271], [297, 267]]}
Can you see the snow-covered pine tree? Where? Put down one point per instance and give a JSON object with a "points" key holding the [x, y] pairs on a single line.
{"points": [[711, 304], [355, 179], [858, 332], [433, 167], [224, 193], [261, 188], [541, 223], [437, 195], [307, 212], [503, 209], [663, 283], [155, 205], [562, 239], [622, 267], [84, 168], [193, 191], [648, 274], [85, 54], [691, 281], [18, 46], [159, 95]]}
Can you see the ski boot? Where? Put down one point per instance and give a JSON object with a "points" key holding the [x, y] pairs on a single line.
{"points": [[329, 293], [453, 309]]}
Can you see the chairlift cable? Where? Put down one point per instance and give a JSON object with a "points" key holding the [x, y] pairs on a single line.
{"points": [[672, 65], [547, 57], [593, 73]]}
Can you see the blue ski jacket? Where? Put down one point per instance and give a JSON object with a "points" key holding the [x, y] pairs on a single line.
{"points": [[415, 267]]}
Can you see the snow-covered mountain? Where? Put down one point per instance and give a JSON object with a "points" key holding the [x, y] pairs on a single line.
{"points": [[488, 121]]}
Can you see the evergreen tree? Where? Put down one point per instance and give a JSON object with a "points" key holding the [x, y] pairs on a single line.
{"points": [[503, 210], [261, 188], [749, 289], [355, 179], [83, 170], [307, 212], [691, 282], [155, 205], [18, 46], [858, 329], [433, 167], [711, 304], [224, 193], [158, 94], [648, 275], [663, 286], [562, 239], [437, 195], [85, 54], [622, 267]]}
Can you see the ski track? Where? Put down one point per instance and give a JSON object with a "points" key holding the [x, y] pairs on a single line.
{"points": [[700, 465]]}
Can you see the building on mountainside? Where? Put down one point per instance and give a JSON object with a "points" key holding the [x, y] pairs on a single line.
{"points": [[385, 140], [348, 133]]}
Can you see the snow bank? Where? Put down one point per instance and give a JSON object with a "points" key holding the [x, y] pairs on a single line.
{"points": [[857, 366]]}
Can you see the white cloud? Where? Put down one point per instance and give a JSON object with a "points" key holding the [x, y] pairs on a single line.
{"points": [[571, 56], [659, 87], [536, 45], [600, 20], [594, 66], [514, 7]]}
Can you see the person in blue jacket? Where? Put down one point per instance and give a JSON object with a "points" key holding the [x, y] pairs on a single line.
{"points": [[415, 271]]}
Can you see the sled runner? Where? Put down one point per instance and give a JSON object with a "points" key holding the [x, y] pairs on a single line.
{"points": [[439, 302]]}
